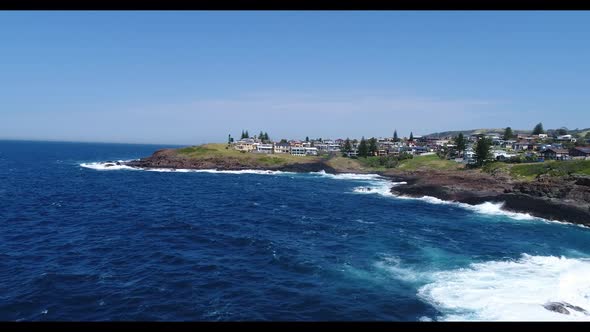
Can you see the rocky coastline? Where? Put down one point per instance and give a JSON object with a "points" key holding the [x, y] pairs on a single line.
{"points": [[565, 199]]}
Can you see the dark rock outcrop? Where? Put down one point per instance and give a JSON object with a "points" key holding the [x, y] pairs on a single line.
{"points": [[562, 308], [554, 198]]}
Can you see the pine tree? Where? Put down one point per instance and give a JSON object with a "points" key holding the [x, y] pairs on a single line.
{"points": [[482, 151], [373, 146], [246, 135], [243, 134], [266, 136], [508, 134], [229, 139], [363, 149], [307, 138], [538, 129], [395, 139], [261, 136], [460, 142], [347, 146], [562, 131], [411, 136]]}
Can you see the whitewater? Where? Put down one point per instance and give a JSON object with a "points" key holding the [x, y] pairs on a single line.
{"points": [[80, 240], [498, 290]]}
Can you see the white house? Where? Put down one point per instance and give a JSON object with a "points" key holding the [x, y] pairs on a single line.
{"points": [[264, 148], [298, 150], [309, 151]]}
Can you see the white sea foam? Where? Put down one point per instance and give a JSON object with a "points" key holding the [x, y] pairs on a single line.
{"points": [[104, 166], [394, 267], [511, 290], [348, 176], [489, 208]]}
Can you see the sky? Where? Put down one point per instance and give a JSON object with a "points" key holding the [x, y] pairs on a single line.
{"points": [[192, 77]]}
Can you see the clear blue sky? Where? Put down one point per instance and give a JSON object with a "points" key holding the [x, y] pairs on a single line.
{"points": [[193, 77]]}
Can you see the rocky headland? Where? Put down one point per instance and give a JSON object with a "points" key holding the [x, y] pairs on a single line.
{"points": [[561, 198]]}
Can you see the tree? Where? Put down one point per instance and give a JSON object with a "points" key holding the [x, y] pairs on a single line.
{"points": [[261, 136], [363, 149], [347, 146], [307, 138], [229, 139], [562, 131], [283, 141], [482, 151], [395, 139], [508, 134], [373, 146], [246, 135], [587, 135], [538, 129], [411, 136], [460, 142]]}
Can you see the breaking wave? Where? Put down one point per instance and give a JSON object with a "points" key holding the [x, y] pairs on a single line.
{"points": [[514, 290], [108, 166], [376, 184], [101, 166]]}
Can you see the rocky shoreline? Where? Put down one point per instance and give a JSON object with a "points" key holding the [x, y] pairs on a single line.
{"points": [[564, 199]]}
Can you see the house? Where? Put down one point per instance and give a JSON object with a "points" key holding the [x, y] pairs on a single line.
{"points": [[419, 150], [522, 145], [567, 138], [264, 148], [352, 153], [282, 148], [298, 150], [333, 147], [246, 144], [311, 151], [469, 156], [556, 154], [503, 155], [579, 152]]}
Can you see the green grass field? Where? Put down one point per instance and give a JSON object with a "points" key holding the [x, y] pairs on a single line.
{"points": [[218, 150], [552, 168], [429, 162]]}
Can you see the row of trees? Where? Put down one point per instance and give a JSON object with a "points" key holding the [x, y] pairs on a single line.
{"points": [[263, 136]]}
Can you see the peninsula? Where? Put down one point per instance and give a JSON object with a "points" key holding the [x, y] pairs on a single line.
{"points": [[520, 172]]}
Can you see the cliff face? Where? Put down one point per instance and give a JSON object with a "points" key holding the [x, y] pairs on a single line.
{"points": [[169, 158], [554, 198]]}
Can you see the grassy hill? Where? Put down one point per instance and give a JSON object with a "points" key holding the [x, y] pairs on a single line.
{"points": [[214, 151], [530, 171]]}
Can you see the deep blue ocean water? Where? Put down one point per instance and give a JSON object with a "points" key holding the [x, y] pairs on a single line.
{"points": [[81, 242]]}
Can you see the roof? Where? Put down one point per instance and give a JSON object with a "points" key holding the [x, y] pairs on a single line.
{"points": [[583, 149], [557, 150]]}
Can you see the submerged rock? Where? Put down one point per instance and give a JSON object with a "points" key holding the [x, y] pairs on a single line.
{"points": [[109, 165]]}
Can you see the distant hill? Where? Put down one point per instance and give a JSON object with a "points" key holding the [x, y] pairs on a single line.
{"points": [[468, 132]]}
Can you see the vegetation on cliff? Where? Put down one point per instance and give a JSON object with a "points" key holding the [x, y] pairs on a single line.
{"points": [[531, 171]]}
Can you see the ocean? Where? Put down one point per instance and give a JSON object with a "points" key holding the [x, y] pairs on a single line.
{"points": [[82, 242]]}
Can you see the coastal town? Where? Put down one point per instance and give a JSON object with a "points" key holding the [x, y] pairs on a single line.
{"points": [[508, 146]]}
